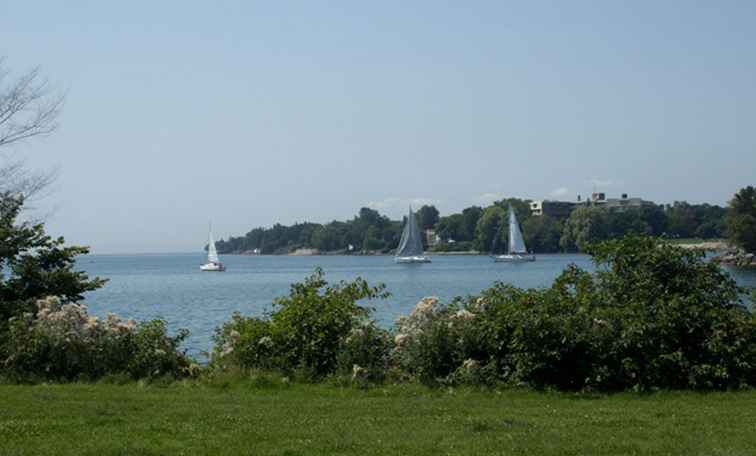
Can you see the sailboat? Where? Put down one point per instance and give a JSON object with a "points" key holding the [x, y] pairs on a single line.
{"points": [[516, 250], [411, 245], [213, 262]]}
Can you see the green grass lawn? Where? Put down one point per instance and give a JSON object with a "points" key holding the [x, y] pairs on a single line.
{"points": [[277, 418]]}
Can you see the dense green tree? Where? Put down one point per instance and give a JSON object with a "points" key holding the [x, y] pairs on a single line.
{"points": [[626, 221], [741, 223], [521, 207], [542, 234], [489, 233], [586, 225], [470, 217], [654, 216], [427, 217], [451, 227], [34, 265]]}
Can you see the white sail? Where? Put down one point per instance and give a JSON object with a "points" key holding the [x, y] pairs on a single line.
{"points": [[411, 243], [212, 254], [516, 242]]}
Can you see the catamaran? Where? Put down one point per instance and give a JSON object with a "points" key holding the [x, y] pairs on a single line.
{"points": [[411, 245], [516, 250], [213, 262]]}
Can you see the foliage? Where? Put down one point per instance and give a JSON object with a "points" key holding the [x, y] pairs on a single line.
{"points": [[741, 223], [542, 234], [427, 217], [35, 265], [434, 341], [654, 316], [480, 229], [489, 232], [369, 230], [585, 225], [364, 353], [62, 342], [305, 332], [695, 220]]}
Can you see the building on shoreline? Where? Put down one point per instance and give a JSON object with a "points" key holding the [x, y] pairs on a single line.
{"points": [[563, 209], [622, 203], [556, 209]]}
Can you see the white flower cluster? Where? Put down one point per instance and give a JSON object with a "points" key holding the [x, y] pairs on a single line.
{"points": [[71, 322], [228, 345], [416, 322], [359, 372], [355, 333]]}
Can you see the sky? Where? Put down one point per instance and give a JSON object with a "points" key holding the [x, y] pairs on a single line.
{"points": [[251, 113]]}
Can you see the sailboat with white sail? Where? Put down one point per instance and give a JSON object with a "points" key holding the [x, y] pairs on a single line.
{"points": [[213, 262], [410, 248], [516, 250]]}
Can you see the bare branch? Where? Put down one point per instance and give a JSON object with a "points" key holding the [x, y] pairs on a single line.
{"points": [[28, 106]]}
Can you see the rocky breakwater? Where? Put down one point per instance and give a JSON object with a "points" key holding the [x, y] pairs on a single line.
{"points": [[737, 258]]}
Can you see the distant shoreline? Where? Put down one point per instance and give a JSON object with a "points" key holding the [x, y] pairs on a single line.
{"points": [[356, 254]]}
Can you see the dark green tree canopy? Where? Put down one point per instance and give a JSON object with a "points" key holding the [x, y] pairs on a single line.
{"points": [[741, 222], [35, 265], [427, 217]]}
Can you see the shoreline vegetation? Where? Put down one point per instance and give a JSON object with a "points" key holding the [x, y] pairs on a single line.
{"points": [[709, 245], [481, 229]]}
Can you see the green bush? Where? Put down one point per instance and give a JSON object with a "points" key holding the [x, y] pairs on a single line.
{"points": [[653, 316], [305, 331], [364, 353], [246, 342], [61, 342]]}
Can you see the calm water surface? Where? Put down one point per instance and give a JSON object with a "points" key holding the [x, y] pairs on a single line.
{"points": [[171, 286]]}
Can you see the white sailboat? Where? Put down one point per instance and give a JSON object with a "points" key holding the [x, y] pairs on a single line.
{"points": [[213, 262], [516, 250], [410, 248]]}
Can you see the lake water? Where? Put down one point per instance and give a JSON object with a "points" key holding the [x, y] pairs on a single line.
{"points": [[171, 286]]}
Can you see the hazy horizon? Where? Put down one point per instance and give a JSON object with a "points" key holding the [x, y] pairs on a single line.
{"points": [[251, 114]]}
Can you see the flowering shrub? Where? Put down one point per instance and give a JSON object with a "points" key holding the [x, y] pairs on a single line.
{"points": [[434, 341], [245, 342], [654, 316], [62, 342], [364, 353]]}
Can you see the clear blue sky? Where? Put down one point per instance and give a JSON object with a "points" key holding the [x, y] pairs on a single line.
{"points": [[255, 112]]}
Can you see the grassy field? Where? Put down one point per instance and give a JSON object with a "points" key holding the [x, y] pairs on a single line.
{"points": [[270, 417]]}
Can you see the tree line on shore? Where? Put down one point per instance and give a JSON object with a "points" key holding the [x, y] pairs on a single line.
{"points": [[483, 229]]}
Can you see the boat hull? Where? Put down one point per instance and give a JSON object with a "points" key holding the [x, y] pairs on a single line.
{"points": [[412, 259], [514, 258], [213, 267]]}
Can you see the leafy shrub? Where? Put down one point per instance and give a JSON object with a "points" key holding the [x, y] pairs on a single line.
{"points": [[304, 333], [62, 342], [677, 319], [364, 353], [246, 342], [653, 316]]}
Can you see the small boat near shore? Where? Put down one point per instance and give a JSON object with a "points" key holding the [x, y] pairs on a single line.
{"points": [[516, 250], [213, 262], [410, 248]]}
